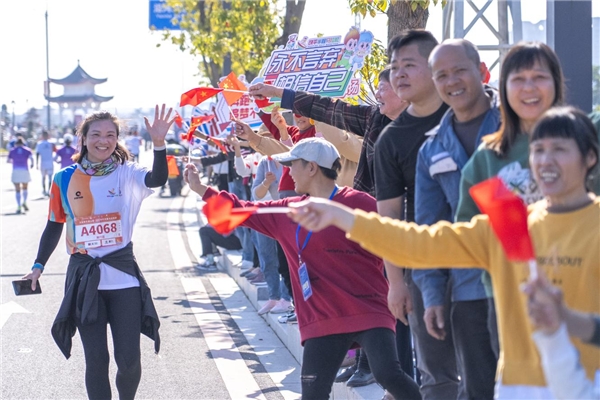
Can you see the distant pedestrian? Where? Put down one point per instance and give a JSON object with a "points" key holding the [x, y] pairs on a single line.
{"points": [[44, 150], [133, 143], [64, 154], [19, 156]]}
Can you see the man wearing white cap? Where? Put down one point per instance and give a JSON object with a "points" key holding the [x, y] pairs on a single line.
{"points": [[339, 289]]}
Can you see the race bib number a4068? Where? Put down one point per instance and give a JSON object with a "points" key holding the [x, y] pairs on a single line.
{"points": [[98, 230]]}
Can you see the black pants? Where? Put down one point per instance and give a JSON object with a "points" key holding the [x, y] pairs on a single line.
{"points": [[476, 359], [405, 352], [122, 309], [323, 355], [222, 182], [284, 269], [436, 359], [493, 326], [210, 237]]}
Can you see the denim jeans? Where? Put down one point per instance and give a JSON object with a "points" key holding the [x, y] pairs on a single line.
{"points": [[269, 265], [237, 187]]}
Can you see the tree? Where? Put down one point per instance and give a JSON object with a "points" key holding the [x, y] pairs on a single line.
{"points": [[402, 15], [236, 35]]}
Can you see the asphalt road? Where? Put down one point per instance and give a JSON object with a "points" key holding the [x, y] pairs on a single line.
{"points": [[209, 330]]}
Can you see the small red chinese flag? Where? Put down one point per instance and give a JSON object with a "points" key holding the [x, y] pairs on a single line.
{"points": [[195, 123], [198, 95], [178, 119], [219, 144], [508, 217], [263, 103], [222, 216], [233, 83]]}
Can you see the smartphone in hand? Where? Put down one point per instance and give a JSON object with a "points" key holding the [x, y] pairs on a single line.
{"points": [[23, 287]]}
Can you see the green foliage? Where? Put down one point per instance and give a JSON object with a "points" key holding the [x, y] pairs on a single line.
{"points": [[374, 7], [378, 58], [244, 30]]}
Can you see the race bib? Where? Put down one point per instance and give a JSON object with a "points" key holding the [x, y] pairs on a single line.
{"points": [[98, 231]]}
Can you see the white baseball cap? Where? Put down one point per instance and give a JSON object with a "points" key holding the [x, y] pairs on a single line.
{"points": [[316, 150]]}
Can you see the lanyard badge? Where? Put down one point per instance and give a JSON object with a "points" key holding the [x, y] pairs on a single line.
{"points": [[302, 270]]}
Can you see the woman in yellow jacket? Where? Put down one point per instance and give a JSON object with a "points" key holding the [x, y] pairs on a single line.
{"points": [[565, 230]]}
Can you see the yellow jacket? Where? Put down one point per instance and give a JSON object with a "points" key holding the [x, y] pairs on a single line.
{"points": [[567, 247]]}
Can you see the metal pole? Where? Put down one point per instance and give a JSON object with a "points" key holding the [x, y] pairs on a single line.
{"points": [[12, 129], [47, 73]]}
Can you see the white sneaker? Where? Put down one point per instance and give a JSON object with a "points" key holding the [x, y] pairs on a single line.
{"points": [[206, 263], [246, 264], [283, 306], [267, 307]]}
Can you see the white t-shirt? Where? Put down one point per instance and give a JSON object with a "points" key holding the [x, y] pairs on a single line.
{"points": [[45, 149], [133, 144], [99, 213]]}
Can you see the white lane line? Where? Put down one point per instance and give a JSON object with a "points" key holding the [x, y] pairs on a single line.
{"points": [[237, 377]]}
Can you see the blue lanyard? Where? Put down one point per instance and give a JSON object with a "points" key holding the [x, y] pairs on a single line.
{"points": [[335, 189]]}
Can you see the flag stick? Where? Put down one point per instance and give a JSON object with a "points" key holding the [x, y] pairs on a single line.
{"points": [[235, 91], [533, 270], [272, 210]]}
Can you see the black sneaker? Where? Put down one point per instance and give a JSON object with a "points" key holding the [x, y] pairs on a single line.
{"points": [[25, 207], [360, 378], [345, 374], [283, 319], [292, 319]]}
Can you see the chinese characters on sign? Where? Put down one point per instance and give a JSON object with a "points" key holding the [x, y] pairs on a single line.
{"points": [[323, 66]]}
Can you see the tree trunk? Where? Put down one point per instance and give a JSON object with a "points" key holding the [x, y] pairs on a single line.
{"points": [[294, 9], [401, 17]]}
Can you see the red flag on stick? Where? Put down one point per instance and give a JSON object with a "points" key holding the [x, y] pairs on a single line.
{"points": [[233, 88], [221, 215], [195, 123], [198, 95], [508, 216], [178, 120], [263, 103], [224, 218]]}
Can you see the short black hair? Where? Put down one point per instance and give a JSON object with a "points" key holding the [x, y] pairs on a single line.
{"points": [[424, 40], [384, 75], [569, 123]]}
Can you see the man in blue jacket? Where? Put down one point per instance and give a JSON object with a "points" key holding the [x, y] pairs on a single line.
{"points": [[457, 74]]}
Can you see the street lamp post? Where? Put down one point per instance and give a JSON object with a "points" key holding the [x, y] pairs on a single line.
{"points": [[48, 75], [12, 127]]}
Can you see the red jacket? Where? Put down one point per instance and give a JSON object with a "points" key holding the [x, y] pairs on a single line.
{"points": [[348, 285]]}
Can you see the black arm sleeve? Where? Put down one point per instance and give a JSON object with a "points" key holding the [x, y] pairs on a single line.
{"points": [[595, 340], [214, 159], [48, 242], [160, 171]]}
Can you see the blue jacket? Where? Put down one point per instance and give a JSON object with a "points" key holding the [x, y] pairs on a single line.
{"points": [[439, 164]]}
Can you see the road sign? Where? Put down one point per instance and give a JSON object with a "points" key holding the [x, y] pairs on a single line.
{"points": [[162, 16]]}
